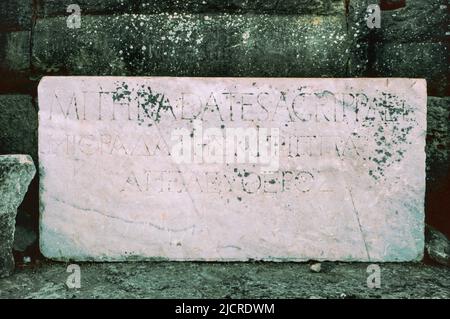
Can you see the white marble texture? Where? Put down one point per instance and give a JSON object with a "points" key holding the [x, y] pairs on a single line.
{"points": [[350, 184]]}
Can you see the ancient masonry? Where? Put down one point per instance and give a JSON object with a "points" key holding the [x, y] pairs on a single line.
{"points": [[232, 38]]}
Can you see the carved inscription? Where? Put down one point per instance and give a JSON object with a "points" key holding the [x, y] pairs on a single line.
{"points": [[183, 153]]}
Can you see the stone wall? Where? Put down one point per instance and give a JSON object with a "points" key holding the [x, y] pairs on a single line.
{"points": [[267, 38]]}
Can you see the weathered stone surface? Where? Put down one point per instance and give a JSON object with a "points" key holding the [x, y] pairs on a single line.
{"points": [[156, 280], [16, 172], [19, 123], [417, 21], [349, 184], [15, 51], [194, 45], [438, 164], [416, 60], [327, 7], [410, 42], [15, 14], [18, 135], [438, 246], [438, 138], [358, 33]]}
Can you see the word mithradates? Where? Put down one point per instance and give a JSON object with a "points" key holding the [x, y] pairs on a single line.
{"points": [[146, 106]]}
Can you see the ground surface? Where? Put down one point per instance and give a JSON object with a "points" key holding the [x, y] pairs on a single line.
{"points": [[231, 280]]}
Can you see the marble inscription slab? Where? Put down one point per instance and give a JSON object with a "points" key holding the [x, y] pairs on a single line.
{"points": [[232, 169]]}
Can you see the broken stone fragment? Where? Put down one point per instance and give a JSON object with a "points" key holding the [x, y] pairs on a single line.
{"points": [[16, 173], [437, 246], [316, 267]]}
